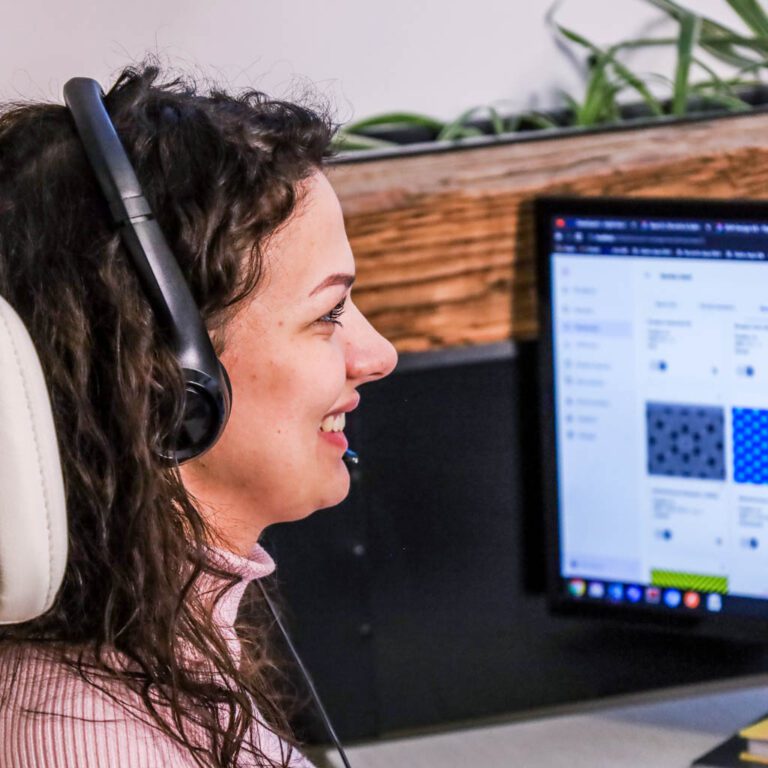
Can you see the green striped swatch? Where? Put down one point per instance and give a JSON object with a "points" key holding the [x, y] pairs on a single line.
{"points": [[700, 582]]}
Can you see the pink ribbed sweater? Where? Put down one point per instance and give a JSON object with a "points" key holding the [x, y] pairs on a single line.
{"points": [[84, 727]]}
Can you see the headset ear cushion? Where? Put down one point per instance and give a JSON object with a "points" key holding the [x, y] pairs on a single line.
{"points": [[206, 412], [200, 424], [225, 377]]}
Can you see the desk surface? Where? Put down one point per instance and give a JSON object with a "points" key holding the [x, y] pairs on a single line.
{"points": [[666, 729]]}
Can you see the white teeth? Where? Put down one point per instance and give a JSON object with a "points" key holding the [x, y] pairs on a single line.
{"points": [[334, 423]]}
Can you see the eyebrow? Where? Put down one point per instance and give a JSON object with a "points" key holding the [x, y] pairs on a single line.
{"points": [[339, 278]]}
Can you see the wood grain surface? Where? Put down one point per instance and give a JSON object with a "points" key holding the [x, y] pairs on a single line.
{"points": [[444, 241]]}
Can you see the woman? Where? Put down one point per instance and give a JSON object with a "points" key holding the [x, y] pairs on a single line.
{"points": [[138, 663]]}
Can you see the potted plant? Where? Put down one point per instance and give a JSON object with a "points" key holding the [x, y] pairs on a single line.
{"points": [[695, 87]]}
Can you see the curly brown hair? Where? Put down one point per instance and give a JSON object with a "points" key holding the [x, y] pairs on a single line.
{"points": [[221, 173]]}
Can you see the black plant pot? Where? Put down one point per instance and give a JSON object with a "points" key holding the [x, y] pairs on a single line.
{"points": [[698, 108]]}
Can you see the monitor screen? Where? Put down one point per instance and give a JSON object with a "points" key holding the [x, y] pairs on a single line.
{"points": [[654, 340]]}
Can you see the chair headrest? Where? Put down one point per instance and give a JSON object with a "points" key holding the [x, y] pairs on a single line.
{"points": [[33, 519]]}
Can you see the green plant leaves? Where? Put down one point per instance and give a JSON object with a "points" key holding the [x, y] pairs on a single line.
{"points": [[690, 30], [395, 121], [748, 54], [752, 15], [458, 129], [609, 78], [720, 41], [352, 136], [347, 141]]}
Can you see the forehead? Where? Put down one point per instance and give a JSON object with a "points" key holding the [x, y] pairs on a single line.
{"points": [[311, 244]]}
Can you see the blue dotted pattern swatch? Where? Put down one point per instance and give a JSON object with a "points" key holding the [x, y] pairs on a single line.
{"points": [[685, 440], [750, 446]]}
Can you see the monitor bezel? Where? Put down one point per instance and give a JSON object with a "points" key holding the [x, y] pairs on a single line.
{"points": [[546, 207]]}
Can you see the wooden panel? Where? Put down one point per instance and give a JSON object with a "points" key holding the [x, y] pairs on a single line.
{"points": [[444, 241]]}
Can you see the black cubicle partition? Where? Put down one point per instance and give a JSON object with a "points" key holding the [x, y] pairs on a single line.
{"points": [[420, 602]]}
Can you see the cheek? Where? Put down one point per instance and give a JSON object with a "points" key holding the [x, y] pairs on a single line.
{"points": [[290, 392], [268, 404]]}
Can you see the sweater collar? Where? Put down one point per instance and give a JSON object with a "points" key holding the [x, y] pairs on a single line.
{"points": [[255, 565]]}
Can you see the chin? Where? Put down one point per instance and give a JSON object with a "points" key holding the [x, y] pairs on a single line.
{"points": [[332, 493], [336, 490]]}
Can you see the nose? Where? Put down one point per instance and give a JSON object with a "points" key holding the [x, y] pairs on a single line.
{"points": [[369, 355]]}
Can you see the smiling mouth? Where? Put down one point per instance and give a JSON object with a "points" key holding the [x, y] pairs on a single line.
{"points": [[333, 423]]}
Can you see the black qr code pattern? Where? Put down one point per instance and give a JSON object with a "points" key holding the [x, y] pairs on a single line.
{"points": [[685, 440]]}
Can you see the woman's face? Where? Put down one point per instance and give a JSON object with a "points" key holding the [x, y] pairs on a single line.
{"points": [[296, 355]]}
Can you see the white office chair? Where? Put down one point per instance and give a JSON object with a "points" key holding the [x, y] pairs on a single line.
{"points": [[33, 520]]}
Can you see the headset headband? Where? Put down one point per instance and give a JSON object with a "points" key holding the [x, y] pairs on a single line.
{"points": [[208, 394]]}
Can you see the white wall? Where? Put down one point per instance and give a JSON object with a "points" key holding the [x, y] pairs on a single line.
{"points": [[434, 56]]}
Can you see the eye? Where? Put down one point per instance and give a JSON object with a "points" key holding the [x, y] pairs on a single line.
{"points": [[334, 315]]}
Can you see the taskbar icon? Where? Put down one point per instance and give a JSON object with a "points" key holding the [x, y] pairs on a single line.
{"points": [[614, 592]]}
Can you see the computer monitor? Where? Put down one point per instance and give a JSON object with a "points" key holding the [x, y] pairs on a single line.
{"points": [[654, 362]]}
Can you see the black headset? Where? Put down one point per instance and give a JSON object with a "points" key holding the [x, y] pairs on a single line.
{"points": [[208, 394]]}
